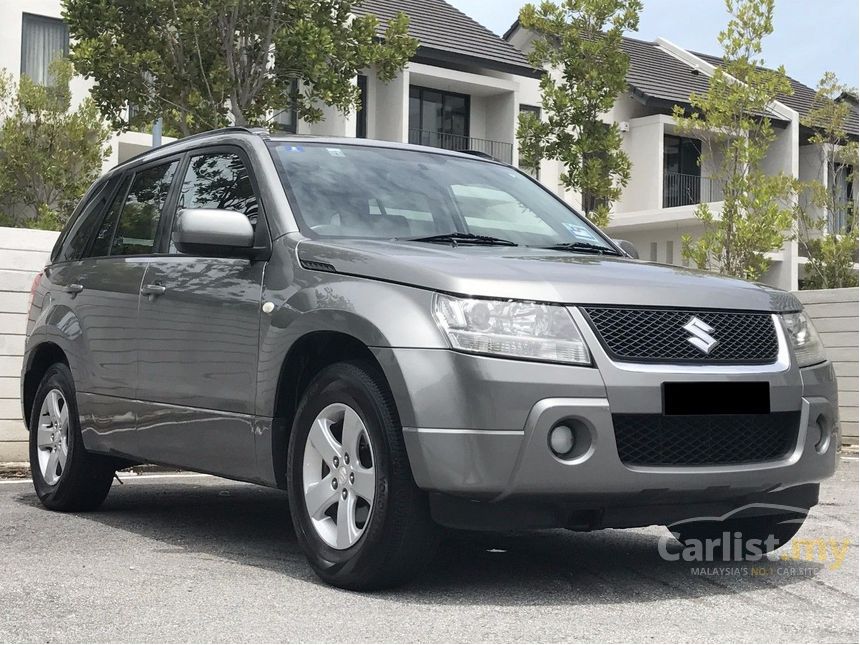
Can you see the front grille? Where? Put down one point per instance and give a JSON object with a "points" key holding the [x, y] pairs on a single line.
{"points": [[658, 335], [700, 440]]}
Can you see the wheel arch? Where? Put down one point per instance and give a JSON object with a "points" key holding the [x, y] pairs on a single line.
{"points": [[40, 359], [306, 357]]}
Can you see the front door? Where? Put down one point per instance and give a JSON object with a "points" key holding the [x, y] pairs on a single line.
{"points": [[199, 331]]}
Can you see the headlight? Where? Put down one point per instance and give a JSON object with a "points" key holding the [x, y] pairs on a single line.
{"points": [[805, 340], [510, 328]]}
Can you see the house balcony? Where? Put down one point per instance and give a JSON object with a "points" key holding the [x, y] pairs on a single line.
{"points": [[499, 150], [681, 189]]}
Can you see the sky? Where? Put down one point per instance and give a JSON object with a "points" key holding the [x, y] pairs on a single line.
{"points": [[810, 36]]}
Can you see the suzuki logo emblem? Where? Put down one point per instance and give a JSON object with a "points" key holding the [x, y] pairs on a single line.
{"points": [[701, 335]]}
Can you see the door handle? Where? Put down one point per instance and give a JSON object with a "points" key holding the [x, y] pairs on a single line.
{"points": [[153, 290], [73, 288]]}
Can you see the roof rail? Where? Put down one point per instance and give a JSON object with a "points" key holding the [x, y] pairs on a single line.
{"points": [[260, 132]]}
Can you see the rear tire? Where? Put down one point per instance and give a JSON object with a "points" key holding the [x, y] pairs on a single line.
{"points": [[66, 477], [390, 536]]}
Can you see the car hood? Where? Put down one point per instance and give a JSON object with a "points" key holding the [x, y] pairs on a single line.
{"points": [[541, 275]]}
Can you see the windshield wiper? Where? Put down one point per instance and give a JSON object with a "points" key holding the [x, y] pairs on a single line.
{"points": [[464, 238], [582, 247]]}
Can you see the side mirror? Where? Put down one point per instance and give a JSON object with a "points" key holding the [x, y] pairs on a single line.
{"points": [[628, 248], [213, 231]]}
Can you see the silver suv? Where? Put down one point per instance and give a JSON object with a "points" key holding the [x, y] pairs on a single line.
{"points": [[405, 338]]}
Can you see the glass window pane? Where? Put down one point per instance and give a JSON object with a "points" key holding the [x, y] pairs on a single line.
{"points": [[84, 226], [489, 210], [431, 112], [104, 235], [138, 222], [219, 181], [358, 191], [43, 40], [361, 116]]}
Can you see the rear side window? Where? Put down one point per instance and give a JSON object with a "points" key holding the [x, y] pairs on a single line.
{"points": [[104, 234], [141, 212], [85, 224]]}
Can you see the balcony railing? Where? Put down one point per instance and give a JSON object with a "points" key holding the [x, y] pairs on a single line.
{"points": [[683, 190], [498, 150]]}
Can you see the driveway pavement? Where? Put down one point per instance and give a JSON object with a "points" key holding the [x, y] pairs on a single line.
{"points": [[197, 558]]}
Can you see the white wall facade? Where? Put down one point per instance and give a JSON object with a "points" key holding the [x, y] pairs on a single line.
{"points": [[23, 253]]}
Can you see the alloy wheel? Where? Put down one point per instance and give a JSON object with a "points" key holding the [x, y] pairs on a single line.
{"points": [[52, 439], [339, 476]]}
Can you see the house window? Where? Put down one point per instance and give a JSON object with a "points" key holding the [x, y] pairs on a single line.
{"points": [[361, 116], [287, 120], [530, 109], [682, 175], [839, 220], [43, 40], [439, 119]]}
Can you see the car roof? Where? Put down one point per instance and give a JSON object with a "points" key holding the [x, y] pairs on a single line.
{"points": [[230, 134]]}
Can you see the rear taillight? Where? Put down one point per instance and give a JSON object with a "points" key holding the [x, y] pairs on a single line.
{"points": [[36, 281]]}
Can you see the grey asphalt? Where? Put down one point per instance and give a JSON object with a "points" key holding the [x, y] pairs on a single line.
{"points": [[203, 559]]}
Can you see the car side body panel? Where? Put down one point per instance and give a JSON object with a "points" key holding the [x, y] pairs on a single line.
{"points": [[96, 329]]}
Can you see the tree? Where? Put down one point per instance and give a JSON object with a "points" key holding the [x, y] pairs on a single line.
{"points": [[579, 42], [202, 65], [826, 213], [732, 119], [49, 154]]}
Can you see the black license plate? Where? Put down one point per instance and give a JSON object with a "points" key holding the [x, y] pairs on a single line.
{"points": [[716, 398]]}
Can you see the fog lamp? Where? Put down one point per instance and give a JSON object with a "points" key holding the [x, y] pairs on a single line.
{"points": [[561, 440]]}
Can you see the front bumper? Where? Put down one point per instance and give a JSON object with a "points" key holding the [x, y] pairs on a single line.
{"points": [[477, 428]]}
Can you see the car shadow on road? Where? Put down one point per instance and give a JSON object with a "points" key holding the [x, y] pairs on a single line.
{"points": [[251, 526]]}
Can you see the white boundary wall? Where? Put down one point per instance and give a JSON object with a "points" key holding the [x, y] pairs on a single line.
{"points": [[23, 253], [834, 312]]}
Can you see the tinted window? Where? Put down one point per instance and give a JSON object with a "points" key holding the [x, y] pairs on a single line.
{"points": [[104, 234], [138, 221], [219, 181], [84, 225]]}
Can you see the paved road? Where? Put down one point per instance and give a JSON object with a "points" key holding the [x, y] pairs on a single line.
{"points": [[203, 559]]}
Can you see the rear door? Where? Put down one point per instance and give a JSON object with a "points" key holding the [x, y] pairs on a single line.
{"points": [[199, 332], [96, 282]]}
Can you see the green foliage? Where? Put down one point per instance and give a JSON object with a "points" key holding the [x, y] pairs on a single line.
{"points": [[731, 120], [831, 262], [49, 154], [831, 252], [580, 42], [202, 65]]}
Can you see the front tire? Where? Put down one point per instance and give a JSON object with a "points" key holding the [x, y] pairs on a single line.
{"points": [[66, 477], [357, 512]]}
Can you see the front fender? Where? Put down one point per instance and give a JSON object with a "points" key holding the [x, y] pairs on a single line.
{"points": [[378, 314]]}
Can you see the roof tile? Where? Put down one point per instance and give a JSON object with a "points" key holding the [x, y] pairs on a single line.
{"points": [[439, 26]]}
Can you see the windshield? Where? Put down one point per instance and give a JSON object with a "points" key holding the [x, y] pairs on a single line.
{"points": [[372, 192]]}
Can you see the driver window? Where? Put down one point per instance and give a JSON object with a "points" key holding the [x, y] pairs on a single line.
{"points": [[219, 181]]}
